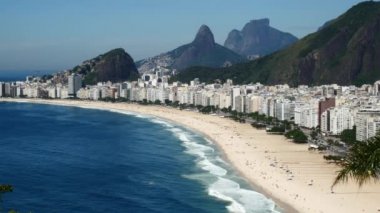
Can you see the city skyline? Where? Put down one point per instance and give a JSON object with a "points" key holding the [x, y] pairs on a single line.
{"points": [[54, 35]]}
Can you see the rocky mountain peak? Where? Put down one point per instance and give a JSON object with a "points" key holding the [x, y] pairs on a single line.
{"points": [[257, 38], [260, 22], [256, 25], [204, 36], [202, 51]]}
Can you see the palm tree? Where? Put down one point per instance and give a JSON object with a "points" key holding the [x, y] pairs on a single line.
{"points": [[362, 162]]}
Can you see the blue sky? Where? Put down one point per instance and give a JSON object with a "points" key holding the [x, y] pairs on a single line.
{"points": [[59, 34]]}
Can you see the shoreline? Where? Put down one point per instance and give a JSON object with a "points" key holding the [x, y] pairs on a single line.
{"points": [[294, 178]]}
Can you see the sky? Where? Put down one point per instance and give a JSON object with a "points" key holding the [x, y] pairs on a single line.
{"points": [[53, 35]]}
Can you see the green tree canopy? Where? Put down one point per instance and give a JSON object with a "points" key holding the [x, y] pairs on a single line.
{"points": [[362, 162]]}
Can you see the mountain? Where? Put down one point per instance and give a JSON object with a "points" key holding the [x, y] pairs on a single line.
{"points": [[115, 65], [257, 38], [202, 51], [327, 23], [345, 51]]}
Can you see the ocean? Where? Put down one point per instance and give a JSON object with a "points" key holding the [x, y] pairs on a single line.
{"points": [[70, 159]]}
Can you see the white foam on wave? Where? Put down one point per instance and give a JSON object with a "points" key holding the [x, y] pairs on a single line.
{"points": [[164, 123], [220, 184], [175, 130], [183, 137], [212, 168], [142, 116], [242, 200], [87, 107], [217, 158], [196, 153], [122, 112], [208, 141], [197, 146], [196, 149], [234, 207]]}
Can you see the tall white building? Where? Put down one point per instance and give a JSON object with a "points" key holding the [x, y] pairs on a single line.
{"points": [[2, 89], [224, 100], [254, 103], [284, 110], [7, 89], [235, 93], [240, 103], [367, 123], [337, 119], [373, 126], [376, 88], [306, 115], [74, 84]]}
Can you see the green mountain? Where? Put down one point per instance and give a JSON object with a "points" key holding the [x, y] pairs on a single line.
{"points": [[345, 51], [202, 51], [115, 65]]}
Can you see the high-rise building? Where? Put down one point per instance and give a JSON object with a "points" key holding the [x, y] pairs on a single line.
{"points": [[335, 120], [367, 123], [235, 93], [306, 115], [2, 89], [240, 103], [376, 88], [74, 84], [324, 105], [284, 110], [254, 103], [7, 89]]}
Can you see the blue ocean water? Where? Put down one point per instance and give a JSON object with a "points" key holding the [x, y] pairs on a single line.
{"points": [[68, 159]]}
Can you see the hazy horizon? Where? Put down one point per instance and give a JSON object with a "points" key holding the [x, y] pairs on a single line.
{"points": [[55, 35]]}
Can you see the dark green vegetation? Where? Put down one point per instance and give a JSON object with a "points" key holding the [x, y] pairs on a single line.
{"points": [[346, 51], [257, 38], [297, 136], [333, 158], [5, 188], [362, 162], [277, 129], [348, 136], [115, 65]]}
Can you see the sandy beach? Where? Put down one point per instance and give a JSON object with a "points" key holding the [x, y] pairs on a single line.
{"points": [[284, 171]]}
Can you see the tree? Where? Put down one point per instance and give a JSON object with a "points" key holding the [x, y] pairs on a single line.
{"points": [[277, 129], [348, 136], [168, 102], [144, 102], [175, 104], [362, 162], [206, 110], [300, 137], [314, 134], [297, 135], [286, 124]]}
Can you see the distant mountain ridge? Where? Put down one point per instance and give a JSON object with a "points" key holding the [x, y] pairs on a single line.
{"points": [[345, 51], [258, 38], [202, 51]]}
